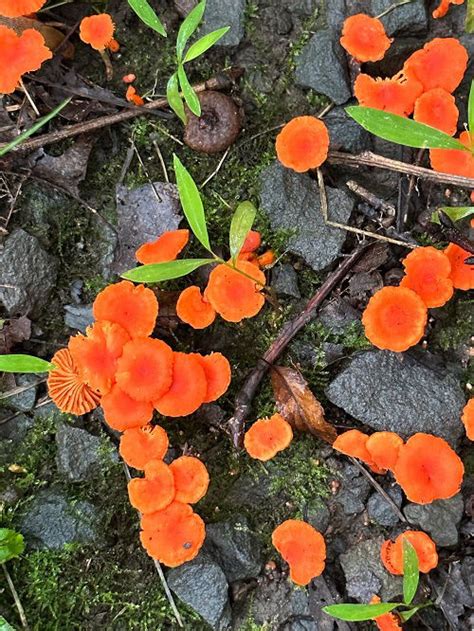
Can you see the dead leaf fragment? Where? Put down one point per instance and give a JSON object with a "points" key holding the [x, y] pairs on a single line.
{"points": [[12, 332]]}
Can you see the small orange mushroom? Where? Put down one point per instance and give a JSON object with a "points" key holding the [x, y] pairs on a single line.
{"points": [[428, 274], [303, 144], [443, 7], [267, 437], [67, 388], [97, 30], [165, 248], [20, 54], [218, 375], [134, 307], [252, 242], [364, 38], [454, 161], [18, 8], [462, 274], [155, 491], [193, 308], [396, 95], [391, 552], [441, 63], [383, 448], [121, 412], [468, 419], [187, 389], [140, 445], [387, 621], [302, 547], [174, 535], [354, 443], [437, 108], [132, 96], [267, 259], [428, 469], [191, 479], [129, 78], [395, 319]]}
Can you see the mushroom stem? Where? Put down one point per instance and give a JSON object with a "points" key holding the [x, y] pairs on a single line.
{"points": [[109, 71]]}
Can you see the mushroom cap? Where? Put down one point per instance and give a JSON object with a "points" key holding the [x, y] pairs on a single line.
{"points": [[437, 108], [396, 95], [455, 161], [20, 54], [121, 412], [427, 274], [218, 374], [233, 295], [462, 274], [141, 444], [18, 8], [193, 308], [165, 248], [97, 30], [67, 389], [267, 436], [218, 126], [252, 242], [145, 370], [443, 7], [428, 469], [134, 307], [354, 443], [302, 547], [174, 535], [155, 491], [364, 38], [387, 621], [191, 479], [395, 319], [96, 353], [187, 389], [131, 93], [468, 418], [383, 448], [391, 552], [441, 63], [303, 144]]}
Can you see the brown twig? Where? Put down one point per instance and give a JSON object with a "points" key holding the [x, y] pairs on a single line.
{"points": [[16, 598], [371, 198]]}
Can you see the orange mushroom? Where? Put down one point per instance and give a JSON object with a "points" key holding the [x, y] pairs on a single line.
{"points": [[364, 38], [383, 448], [191, 479], [303, 144], [20, 54], [133, 97], [174, 535], [218, 374], [187, 389], [145, 370], [18, 8], [468, 419], [267, 259], [121, 412], [236, 295], [252, 242], [428, 469], [437, 108], [391, 552], [96, 353], [267, 437], [462, 274], [97, 30], [302, 547], [395, 319], [441, 63], [67, 389], [387, 621], [193, 308], [443, 7], [428, 275], [396, 95], [455, 161], [134, 307], [165, 248], [140, 445], [155, 491], [354, 443]]}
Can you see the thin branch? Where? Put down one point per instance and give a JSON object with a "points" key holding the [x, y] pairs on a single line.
{"points": [[16, 598], [20, 389], [217, 169]]}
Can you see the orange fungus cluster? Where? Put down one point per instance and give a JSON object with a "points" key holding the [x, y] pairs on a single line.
{"points": [[391, 553], [18, 8], [303, 144], [443, 7], [97, 31], [468, 419], [302, 547], [267, 437], [364, 38], [20, 54]]}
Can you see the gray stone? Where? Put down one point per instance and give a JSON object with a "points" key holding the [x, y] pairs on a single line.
{"points": [[456, 587], [27, 274], [319, 517], [16, 428], [51, 521], [399, 393], [365, 574], [285, 281], [322, 66], [406, 20], [354, 490], [379, 509], [345, 133], [24, 401], [337, 315], [202, 585], [440, 519], [78, 317], [220, 13], [78, 457], [292, 202], [336, 12], [249, 491], [236, 547]]}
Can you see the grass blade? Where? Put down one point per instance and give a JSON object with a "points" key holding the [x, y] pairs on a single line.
{"points": [[470, 110], [411, 573], [175, 100], [157, 272], [358, 613], [191, 202], [24, 363], [147, 15], [189, 94], [203, 44], [188, 27], [242, 222]]}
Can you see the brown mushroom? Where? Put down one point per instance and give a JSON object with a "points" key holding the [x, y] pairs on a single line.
{"points": [[218, 126]]}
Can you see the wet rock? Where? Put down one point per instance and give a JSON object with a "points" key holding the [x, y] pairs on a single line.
{"points": [[21, 290], [24, 401], [78, 317], [202, 585], [337, 315], [51, 521], [79, 453], [285, 281], [220, 13], [365, 574], [379, 509], [345, 133], [353, 491], [291, 200], [322, 66], [405, 20], [440, 519], [400, 393]]}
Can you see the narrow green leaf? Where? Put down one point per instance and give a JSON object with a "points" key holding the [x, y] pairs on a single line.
{"points": [[358, 613], [34, 128], [189, 94], [157, 272], [411, 573], [24, 363], [470, 16], [4, 626], [409, 613], [11, 544], [191, 202], [454, 213], [188, 27], [401, 130], [470, 109], [147, 15], [203, 44], [175, 100], [241, 223]]}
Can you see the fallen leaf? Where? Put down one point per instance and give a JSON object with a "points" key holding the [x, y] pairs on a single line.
{"points": [[298, 405], [13, 331]]}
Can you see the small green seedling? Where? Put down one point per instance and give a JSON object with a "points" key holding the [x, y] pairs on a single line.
{"points": [[24, 364], [147, 15]]}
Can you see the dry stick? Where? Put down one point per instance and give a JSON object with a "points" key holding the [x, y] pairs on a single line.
{"points": [[20, 389], [16, 598]]}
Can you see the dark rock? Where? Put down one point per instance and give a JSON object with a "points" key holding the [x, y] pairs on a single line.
{"points": [[332, 352], [319, 517], [302, 8], [307, 355], [9, 495], [440, 519], [322, 66], [78, 456], [27, 274], [353, 491], [456, 587], [405, 20], [337, 315], [202, 585], [249, 491], [365, 282], [399, 393], [292, 203], [78, 317], [285, 281], [345, 133], [220, 13], [24, 401], [336, 12], [379, 509], [16, 428]]}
